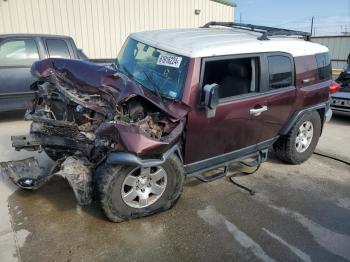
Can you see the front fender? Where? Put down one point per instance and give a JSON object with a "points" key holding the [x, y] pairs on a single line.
{"points": [[124, 158]]}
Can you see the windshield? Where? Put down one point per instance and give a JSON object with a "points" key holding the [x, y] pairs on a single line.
{"points": [[159, 71]]}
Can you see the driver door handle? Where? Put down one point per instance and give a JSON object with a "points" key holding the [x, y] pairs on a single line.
{"points": [[258, 111]]}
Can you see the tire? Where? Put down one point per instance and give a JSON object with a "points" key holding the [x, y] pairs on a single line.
{"points": [[111, 180], [287, 147]]}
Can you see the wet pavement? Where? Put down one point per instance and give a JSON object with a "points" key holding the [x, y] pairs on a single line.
{"points": [[299, 213]]}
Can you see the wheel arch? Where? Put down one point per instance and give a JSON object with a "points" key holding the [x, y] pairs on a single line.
{"points": [[319, 108], [125, 158], [322, 113]]}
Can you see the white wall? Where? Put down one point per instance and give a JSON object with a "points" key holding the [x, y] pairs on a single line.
{"points": [[100, 27]]}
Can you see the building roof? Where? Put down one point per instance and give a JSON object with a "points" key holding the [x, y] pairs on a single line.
{"points": [[206, 42], [330, 36]]}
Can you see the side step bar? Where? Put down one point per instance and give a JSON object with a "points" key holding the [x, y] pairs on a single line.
{"points": [[206, 179], [261, 156]]}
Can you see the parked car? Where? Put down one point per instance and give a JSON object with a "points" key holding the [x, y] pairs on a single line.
{"points": [[177, 103], [17, 53], [340, 102]]}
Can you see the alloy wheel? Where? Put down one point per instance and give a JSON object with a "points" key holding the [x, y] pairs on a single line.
{"points": [[304, 136], [143, 186]]}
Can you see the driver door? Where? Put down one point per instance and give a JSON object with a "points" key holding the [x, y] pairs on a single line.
{"points": [[235, 128]]}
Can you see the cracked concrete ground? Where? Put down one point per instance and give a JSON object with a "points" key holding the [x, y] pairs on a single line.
{"points": [[300, 213]]}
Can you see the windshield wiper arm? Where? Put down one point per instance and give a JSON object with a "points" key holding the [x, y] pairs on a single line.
{"points": [[156, 87]]}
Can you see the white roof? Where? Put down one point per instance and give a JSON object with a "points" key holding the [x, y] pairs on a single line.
{"points": [[205, 42]]}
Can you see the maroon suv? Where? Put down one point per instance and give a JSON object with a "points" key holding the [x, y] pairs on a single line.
{"points": [[176, 103]]}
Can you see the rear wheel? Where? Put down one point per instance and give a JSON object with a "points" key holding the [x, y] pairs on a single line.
{"points": [[129, 192], [298, 145]]}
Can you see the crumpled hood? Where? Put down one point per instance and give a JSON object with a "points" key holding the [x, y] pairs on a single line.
{"points": [[92, 78]]}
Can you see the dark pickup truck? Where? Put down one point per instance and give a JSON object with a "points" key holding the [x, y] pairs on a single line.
{"points": [[17, 54]]}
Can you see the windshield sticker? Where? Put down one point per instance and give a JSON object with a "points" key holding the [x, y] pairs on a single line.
{"points": [[172, 94], [169, 60]]}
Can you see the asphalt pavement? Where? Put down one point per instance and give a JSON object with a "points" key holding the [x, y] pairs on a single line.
{"points": [[299, 213]]}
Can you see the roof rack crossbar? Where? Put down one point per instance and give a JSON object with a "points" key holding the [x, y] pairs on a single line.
{"points": [[265, 30]]}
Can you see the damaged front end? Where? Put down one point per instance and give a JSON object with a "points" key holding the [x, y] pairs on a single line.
{"points": [[84, 113]]}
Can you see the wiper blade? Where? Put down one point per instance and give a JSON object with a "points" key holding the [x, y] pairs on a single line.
{"points": [[156, 87]]}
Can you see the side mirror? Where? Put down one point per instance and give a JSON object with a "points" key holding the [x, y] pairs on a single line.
{"points": [[211, 98]]}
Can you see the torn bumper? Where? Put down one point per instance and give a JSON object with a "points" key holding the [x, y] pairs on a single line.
{"points": [[33, 142], [25, 173], [28, 174]]}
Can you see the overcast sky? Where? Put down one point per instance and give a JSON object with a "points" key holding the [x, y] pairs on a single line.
{"points": [[330, 16]]}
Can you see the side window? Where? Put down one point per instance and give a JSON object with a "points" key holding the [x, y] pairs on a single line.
{"points": [[21, 52], [57, 48], [82, 55], [280, 71], [324, 66], [235, 76]]}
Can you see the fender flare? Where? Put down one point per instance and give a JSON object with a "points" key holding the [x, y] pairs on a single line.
{"points": [[124, 158], [296, 115]]}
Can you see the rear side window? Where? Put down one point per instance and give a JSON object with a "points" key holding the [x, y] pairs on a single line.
{"points": [[324, 66], [57, 48], [280, 71], [21, 52]]}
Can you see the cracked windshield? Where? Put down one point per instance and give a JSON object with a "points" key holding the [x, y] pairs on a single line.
{"points": [[159, 71]]}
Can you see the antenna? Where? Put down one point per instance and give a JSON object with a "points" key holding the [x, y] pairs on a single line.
{"points": [[312, 25]]}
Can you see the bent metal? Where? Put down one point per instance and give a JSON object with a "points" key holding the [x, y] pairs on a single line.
{"points": [[128, 134]]}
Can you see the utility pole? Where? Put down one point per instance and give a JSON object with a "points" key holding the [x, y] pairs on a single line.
{"points": [[312, 24], [240, 17]]}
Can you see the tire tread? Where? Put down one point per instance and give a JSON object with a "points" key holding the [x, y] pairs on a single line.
{"points": [[284, 147], [106, 175]]}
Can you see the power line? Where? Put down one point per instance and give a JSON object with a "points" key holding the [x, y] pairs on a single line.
{"points": [[295, 21]]}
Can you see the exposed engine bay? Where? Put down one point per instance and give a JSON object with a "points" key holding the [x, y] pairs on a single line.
{"points": [[88, 111]]}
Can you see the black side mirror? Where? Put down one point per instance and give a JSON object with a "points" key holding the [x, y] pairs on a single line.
{"points": [[211, 98]]}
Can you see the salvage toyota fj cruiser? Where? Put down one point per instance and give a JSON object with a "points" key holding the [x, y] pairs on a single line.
{"points": [[176, 103]]}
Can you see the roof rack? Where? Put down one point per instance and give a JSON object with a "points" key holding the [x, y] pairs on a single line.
{"points": [[265, 30]]}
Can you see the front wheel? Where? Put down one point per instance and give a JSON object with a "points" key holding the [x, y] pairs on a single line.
{"points": [[301, 141], [129, 192]]}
